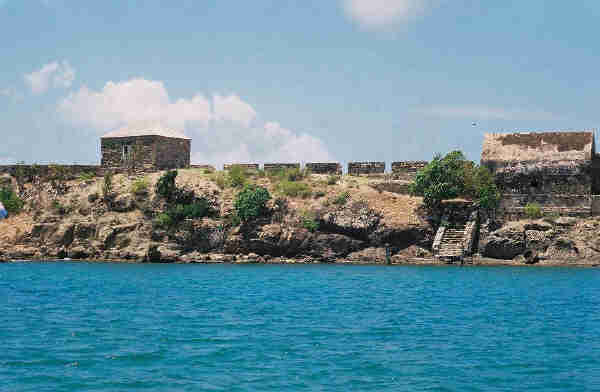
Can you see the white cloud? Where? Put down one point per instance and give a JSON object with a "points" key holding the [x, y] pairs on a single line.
{"points": [[484, 112], [57, 74], [224, 128], [382, 14], [7, 92]]}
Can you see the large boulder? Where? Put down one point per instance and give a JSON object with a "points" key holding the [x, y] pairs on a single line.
{"points": [[505, 243], [367, 256], [123, 203], [356, 220]]}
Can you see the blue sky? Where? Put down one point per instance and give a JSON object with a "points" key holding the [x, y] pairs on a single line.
{"points": [[264, 80]]}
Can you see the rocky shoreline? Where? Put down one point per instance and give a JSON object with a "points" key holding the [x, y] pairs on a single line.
{"points": [[370, 226]]}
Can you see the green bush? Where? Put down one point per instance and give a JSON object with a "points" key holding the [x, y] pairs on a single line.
{"points": [[12, 203], [332, 180], [140, 186], [107, 187], [291, 175], [319, 194], [454, 176], [87, 176], [294, 189], [163, 221], [165, 186], [341, 199], [533, 211], [251, 202], [237, 176], [309, 221], [219, 179], [198, 209], [60, 208]]}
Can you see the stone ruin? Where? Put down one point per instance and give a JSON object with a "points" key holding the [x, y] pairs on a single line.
{"points": [[145, 148], [557, 170], [280, 166], [407, 170], [365, 168]]}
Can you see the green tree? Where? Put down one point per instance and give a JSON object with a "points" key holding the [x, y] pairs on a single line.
{"points": [[11, 201], [454, 176], [251, 202]]}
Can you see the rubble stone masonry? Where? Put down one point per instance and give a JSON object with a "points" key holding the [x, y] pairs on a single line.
{"points": [[365, 168], [325, 168]]}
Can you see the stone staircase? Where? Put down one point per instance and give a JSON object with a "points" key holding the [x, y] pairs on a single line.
{"points": [[452, 245]]}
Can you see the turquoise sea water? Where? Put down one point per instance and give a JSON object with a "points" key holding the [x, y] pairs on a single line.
{"points": [[120, 327]]}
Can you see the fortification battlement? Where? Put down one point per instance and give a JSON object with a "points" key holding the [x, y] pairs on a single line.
{"points": [[245, 166], [363, 168], [325, 168], [280, 166]]}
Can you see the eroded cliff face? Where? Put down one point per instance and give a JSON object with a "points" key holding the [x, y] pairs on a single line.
{"points": [[549, 241], [77, 222]]}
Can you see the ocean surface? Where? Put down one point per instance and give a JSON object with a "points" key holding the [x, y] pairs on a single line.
{"points": [[123, 327]]}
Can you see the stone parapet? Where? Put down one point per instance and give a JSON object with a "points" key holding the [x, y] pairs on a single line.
{"points": [[203, 167], [68, 171], [407, 170], [245, 166], [281, 166], [324, 168], [365, 168]]}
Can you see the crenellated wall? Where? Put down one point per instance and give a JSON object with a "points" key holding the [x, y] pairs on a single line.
{"points": [[407, 170], [203, 167], [245, 166], [365, 168], [324, 168], [280, 166], [69, 172]]}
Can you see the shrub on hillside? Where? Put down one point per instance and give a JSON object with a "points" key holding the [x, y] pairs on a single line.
{"points": [[12, 203], [107, 186], [454, 176], [332, 179], [140, 186], [198, 209], [165, 186], [87, 176], [533, 211], [309, 221], [294, 189], [342, 198], [237, 176], [163, 221], [219, 179], [251, 202]]}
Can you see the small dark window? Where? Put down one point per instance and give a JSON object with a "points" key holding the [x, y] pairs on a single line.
{"points": [[127, 148], [535, 184]]}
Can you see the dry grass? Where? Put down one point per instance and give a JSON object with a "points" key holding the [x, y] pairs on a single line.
{"points": [[13, 227]]}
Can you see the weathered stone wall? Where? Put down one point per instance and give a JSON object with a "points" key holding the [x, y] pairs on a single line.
{"points": [[325, 168], [203, 167], [172, 153], [281, 166], [364, 168], [143, 147], [70, 172], [512, 206], [245, 166], [147, 152], [407, 170], [542, 177]]}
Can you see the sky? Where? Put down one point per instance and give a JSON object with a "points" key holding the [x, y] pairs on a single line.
{"points": [[293, 81]]}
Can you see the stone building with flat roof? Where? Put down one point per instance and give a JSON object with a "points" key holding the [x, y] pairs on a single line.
{"points": [[145, 147], [557, 170]]}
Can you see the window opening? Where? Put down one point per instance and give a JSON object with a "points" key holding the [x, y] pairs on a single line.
{"points": [[127, 148]]}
